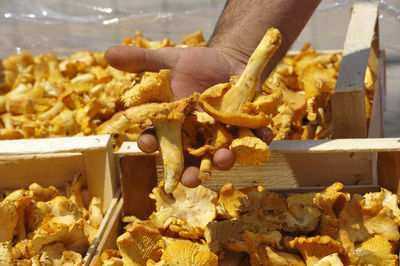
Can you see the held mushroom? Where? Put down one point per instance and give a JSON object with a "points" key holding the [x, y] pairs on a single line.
{"points": [[225, 101], [168, 120]]}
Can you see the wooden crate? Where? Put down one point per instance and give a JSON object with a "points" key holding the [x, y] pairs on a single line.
{"points": [[363, 165], [56, 161]]}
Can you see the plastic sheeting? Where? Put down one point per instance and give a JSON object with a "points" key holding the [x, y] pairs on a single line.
{"points": [[65, 26]]}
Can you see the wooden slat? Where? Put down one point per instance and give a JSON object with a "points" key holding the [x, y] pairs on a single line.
{"points": [[360, 189], [295, 170], [357, 45], [348, 101], [309, 146], [101, 176], [295, 163], [52, 145], [45, 169], [375, 129], [348, 115], [337, 145]]}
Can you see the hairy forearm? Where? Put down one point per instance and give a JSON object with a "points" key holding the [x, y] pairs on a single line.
{"points": [[243, 23]]}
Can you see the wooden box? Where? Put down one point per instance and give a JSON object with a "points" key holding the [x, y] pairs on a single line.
{"points": [[363, 165], [56, 161]]}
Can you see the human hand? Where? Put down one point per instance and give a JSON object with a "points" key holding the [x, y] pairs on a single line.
{"points": [[193, 70]]}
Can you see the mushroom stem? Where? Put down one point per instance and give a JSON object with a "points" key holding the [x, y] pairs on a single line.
{"points": [[205, 167], [168, 121], [170, 141], [245, 88]]}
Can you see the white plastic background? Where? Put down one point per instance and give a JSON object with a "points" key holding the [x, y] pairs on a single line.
{"points": [[65, 26]]}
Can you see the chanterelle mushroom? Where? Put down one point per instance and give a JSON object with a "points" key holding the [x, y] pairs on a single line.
{"points": [[225, 101], [248, 149], [153, 87], [168, 120]]}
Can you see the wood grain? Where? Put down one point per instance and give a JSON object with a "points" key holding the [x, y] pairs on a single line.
{"points": [[348, 101], [138, 178], [389, 170]]}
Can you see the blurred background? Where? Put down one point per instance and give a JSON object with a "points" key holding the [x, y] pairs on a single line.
{"points": [[66, 26]]}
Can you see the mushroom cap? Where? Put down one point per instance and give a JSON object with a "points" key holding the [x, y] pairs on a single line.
{"points": [[265, 103], [71, 258], [222, 234], [8, 220], [6, 255], [153, 87], [382, 224], [215, 136], [374, 202], [269, 256], [43, 193], [315, 248], [140, 243], [375, 251], [231, 201], [318, 79], [109, 257], [331, 201], [351, 221], [48, 233], [248, 149], [187, 253], [330, 260], [301, 219], [175, 110], [380, 214], [208, 101], [52, 253], [186, 211], [95, 212], [253, 242]]}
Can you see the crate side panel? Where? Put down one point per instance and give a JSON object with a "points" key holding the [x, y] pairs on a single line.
{"points": [[100, 172], [292, 170], [389, 171], [138, 178], [45, 169]]}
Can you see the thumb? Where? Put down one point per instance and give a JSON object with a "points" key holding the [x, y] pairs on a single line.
{"points": [[136, 59]]}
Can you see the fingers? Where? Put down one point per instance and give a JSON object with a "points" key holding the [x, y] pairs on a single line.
{"points": [[147, 141], [223, 159], [265, 134], [136, 59], [190, 177]]}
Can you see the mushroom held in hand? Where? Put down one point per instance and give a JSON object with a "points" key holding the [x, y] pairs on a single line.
{"points": [[168, 120], [225, 101]]}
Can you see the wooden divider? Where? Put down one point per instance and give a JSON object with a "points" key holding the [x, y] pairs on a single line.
{"points": [[348, 101]]}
